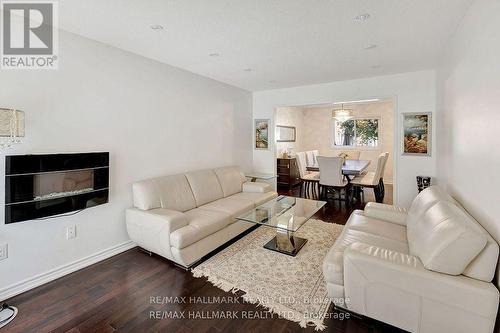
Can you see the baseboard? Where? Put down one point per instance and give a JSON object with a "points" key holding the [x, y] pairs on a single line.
{"points": [[38, 280]]}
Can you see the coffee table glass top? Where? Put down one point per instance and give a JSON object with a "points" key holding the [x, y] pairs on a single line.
{"points": [[285, 213], [260, 175]]}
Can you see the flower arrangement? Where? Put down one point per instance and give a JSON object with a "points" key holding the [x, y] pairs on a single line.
{"points": [[343, 156]]}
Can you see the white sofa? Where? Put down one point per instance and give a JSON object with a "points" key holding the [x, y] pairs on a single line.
{"points": [[426, 269], [184, 217]]}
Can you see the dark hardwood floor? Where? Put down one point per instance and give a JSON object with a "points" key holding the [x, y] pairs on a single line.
{"points": [[116, 295], [336, 211]]}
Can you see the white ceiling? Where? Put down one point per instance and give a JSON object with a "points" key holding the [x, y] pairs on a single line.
{"points": [[285, 42]]}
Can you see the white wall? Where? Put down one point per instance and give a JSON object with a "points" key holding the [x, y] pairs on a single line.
{"points": [[413, 92], [154, 120], [469, 104]]}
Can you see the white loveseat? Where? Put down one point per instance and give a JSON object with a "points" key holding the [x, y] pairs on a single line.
{"points": [[184, 217], [426, 269]]}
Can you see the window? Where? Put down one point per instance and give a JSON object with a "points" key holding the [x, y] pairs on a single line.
{"points": [[361, 132]]}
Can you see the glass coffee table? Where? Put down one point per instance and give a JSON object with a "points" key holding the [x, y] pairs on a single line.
{"points": [[286, 215]]}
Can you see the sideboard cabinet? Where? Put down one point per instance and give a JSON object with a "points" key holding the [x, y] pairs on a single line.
{"points": [[288, 173]]}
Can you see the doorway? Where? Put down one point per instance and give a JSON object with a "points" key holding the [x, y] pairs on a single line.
{"points": [[370, 132]]}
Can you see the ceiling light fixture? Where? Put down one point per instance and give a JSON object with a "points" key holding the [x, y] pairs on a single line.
{"points": [[214, 54], [247, 69], [343, 114], [157, 27], [370, 46], [362, 17], [357, 101]]}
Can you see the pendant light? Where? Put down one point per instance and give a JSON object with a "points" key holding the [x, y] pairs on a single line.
{"points": [[343, 114]]}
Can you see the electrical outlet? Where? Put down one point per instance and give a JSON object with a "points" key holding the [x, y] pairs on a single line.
{"points": [[4, 253], [71, 232]]}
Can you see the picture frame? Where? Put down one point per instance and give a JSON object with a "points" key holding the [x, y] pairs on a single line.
{"points": [[261, 134], [416, 135]]}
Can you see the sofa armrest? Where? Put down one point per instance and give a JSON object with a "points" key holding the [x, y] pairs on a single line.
{"points": [[250, 187], [151, 229], [387, 213], [396, 288]]}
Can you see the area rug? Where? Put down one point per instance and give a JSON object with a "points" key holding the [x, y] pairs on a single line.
{"points": [[291, 287]]}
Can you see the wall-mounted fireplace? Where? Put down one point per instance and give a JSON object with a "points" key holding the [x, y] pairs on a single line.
{"points": [[40, 186]]}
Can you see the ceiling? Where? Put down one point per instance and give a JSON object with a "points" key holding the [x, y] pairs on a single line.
{"points": [[268, 44]]}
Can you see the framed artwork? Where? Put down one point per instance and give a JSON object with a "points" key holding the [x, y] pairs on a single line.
{"points": [[261, 134], [417, 134]]}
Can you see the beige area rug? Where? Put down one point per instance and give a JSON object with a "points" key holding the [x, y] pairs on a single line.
{"points": [[291, 287]]}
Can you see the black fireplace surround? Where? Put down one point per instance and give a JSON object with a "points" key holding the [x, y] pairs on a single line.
{"points": [[40, 186]]}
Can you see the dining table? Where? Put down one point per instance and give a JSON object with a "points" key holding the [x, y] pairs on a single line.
{"points": [[349, 168]]}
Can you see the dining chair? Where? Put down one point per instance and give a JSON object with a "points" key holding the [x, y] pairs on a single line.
{"points": [[373, 179], [307, 178], [331, 177], [315, 156], [310, 158]]}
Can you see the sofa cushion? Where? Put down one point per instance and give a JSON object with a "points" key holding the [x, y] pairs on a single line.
{"points": [[202, 223], [146, 195], [378, 227], [425, 200], [170, 192], [231, 179], [389, 213], [231, 206], [205, 186], [333, 265], [445, 239], [257, 198], [252, 187], [483, 266]]}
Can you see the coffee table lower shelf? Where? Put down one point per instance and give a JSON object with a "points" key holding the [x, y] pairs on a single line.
{"points": [[283, 243]]}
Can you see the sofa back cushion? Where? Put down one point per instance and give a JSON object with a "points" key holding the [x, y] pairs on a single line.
{"points": [[205, 186], [445, 239], [231, 180], [146, 194], [170, 192], [425, 200], [483, 266]]}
